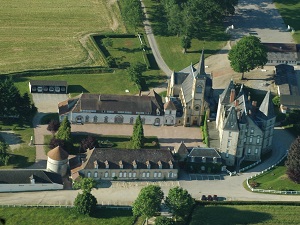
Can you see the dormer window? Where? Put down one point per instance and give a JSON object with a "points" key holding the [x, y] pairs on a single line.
{"points": [[148, 164], [121, 164], [157, 112], [96, 164], [134, 164], [203, 159], [214, 159], [159, 164], [171, 164], [106, 164]]}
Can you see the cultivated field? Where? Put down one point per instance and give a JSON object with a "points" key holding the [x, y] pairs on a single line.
{"points": [[246, 214], [37, 34]]}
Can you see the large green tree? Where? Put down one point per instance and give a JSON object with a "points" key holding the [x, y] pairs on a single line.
{"points": [[247, 54], [64, 130], [135, 72], [148, 201], [180, 202], [186, 43], [86, 184], [85, 203], [293, 161], [132, 13], [137, 139]]}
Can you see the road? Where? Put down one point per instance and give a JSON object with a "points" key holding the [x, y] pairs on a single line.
{"points": [[153, 44]]}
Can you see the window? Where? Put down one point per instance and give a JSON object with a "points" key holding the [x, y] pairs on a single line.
{"points": [[134, 174], [148, 174], [106, 119], [143, 120], [170, 112], [124, 174], [119, 119], [252, 130], [256, 150], [89, 174], [245, 139], [143, 174], [131, 120], [227, 154], [228, 143], [230, 134], [170, 175], [155, 174], [120, 174], [87, 119], [95, 119], [159, 174], [249, 151], [250, 140], [258, 140], [95, 174], [113, 174], [129, 174], [106, 174]]}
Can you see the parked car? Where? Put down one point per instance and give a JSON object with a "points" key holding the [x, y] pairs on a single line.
{"points": [[209, 198], [51, 89], [215, 198], [203, 198], [57, 89], [40, 89]]}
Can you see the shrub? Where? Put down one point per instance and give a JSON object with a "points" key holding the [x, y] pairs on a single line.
{"points": [[85, 203]]}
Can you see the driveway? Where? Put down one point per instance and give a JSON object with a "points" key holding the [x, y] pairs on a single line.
{"points": [[262, 19], [47, 103]]}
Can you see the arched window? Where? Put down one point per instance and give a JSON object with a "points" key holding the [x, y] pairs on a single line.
{"points": [[95, 119], [129, 174], [124, 174], [89, 174], [106, 174], [131, 120], [79, 119], [148, 174], [106, 119], [119, 119], [120, 174], [95, 174], [134, 174]]}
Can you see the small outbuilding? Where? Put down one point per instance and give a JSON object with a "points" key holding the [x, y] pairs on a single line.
{"points": [[48, 86], [57, 161]]}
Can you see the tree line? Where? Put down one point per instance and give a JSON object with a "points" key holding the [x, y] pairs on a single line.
{"points": [[13, 104]]}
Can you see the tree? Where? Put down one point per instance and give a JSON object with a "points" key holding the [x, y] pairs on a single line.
{"points": [[180, 202], [247, 54], [54, 142], [135, 72], [162, 220], [132, 13], [4, 156], [293, 161], [186, 43], [85, 184], [26, 110], [148, 201], [64, 131], [276, 100], [137, 139], [85, 203], [88, 143], [53, 126]]}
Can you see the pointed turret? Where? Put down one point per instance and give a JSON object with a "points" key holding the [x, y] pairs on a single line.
{"points": [[231, 122], [201, 66], [266, 106]]}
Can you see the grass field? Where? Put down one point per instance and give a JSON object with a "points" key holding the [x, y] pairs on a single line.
{"points": [[37, 34], [290, 12], [24, 155], [246, 214], [45, 216], [276, 179]]}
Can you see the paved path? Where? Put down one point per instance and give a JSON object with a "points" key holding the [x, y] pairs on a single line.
{"points": [[260, 18], [155, 50]]}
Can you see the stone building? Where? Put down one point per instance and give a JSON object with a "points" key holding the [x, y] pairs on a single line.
{"points": [[193, 88], [245, 130], [129, 164], [58, 161]]}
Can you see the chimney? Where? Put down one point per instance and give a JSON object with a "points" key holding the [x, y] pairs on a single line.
{"points": [[171, 164], [96, 164], [106, 164], [236, 103], [232, 95], [159, 164], [134, 164], [121, 164]]}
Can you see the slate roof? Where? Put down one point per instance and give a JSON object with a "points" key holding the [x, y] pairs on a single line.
{"points": [[48, 83], [225, 96], [182, 149], [231, 121], [187, 88], [102, 103], [201, 66], [179, 77], [290, 100], [266, 107], [58, 153], [204, 152], [287, 80], [127, 156], [22, 176]]}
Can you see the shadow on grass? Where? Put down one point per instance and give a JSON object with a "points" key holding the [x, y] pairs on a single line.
{"points": [[77, 89], [102, 213], [227, 215], [19, 161]]}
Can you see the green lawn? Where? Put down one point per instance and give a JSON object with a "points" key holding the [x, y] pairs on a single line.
{"points": [[276, 179], [37, 34], [24, 155], [245, 214], [290, 11], [45, 216]]}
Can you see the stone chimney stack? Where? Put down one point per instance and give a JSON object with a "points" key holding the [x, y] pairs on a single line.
{"points": [[236, 103], [232, 95]]}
